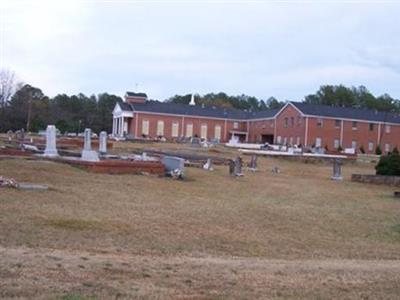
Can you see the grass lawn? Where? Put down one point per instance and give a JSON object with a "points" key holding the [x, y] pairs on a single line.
{"points": [[296, 234]]}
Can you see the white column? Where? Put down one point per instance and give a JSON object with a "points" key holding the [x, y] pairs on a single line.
{"points": [[123, 126], [119, 126], [113, 127], [137, 123], [378, 138], [121, 129]]}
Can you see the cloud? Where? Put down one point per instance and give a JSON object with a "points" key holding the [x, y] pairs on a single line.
{"points": [[282, 49]]}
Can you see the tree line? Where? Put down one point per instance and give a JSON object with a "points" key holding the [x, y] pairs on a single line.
{"points": [[29, 108], [221, 99], [332, 95], [26, 106]]}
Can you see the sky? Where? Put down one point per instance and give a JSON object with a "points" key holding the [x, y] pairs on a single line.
{"points": [[285, 49]]}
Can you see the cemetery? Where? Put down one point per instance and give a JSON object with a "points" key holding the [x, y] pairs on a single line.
{"points": [[96, 216]]}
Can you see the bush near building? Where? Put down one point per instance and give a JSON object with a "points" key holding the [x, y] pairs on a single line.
{"points": [[389, 164]]}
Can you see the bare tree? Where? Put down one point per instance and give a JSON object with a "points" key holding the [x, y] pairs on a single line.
{"points": [[7, 86]]}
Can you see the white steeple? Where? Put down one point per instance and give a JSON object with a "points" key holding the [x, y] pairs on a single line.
{"points": [[192, 100]]}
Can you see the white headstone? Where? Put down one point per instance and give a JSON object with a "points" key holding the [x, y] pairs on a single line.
{"points": [[337, 169], [208, 165], [234, 140], [51, 149], [103, 142], [88, 154], [87, 143]]}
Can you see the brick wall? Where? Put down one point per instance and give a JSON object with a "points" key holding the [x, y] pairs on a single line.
{"points": [[259, 128], [183, 121], [289, 126]]}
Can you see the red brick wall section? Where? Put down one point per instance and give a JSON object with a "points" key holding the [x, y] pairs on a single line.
{"points": [[182, 121], [294, 130], [327, 132], [392, 138], [259, 128]]}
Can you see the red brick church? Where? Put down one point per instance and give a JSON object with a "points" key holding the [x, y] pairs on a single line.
{"points": [[295, 123]]}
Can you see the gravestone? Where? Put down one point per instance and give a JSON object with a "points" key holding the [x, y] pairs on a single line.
{"points": [[174, 166], [88, 154], [337, 169], [51, 148], [20, 136], [9, 135], [253, 163], [208, 165], [29, 186], [234, 140], [103, 142], [231, 167], [144, 156], [275, 169], [238, 166], [196, 142]]}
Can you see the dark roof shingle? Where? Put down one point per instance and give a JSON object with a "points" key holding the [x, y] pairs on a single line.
{"points": [[197, 110], [237, 114], [125, 106], [347, 113], [133, 94]]}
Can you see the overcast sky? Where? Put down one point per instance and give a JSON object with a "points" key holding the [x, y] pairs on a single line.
{"points": [[285, 49]]}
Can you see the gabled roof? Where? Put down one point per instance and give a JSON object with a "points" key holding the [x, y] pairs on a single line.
{"points": [[125, 106], [197, 110], [346, 113], [263, 114], [133, 94], [190, 110]]}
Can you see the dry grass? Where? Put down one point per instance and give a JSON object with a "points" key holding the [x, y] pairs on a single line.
{"points": [[203, 224]]}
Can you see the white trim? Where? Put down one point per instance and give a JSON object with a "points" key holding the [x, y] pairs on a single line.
{"points": [[219, 131], [257, 120], [137, 123], [237, 132], [379, 135], [287, 104], [119, 112]]}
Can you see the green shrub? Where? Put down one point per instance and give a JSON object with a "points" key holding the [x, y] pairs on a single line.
{"points": [[362, 150], [378, 150], [395, 150], [340, 148], [389, 165]]}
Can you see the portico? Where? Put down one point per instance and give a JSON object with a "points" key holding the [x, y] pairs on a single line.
{"points": [[121, 120]]}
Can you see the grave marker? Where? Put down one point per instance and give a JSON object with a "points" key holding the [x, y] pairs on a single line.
{"points": [[253, 163], [103, 142], [88, 154], [51, 148], [337, 169]]}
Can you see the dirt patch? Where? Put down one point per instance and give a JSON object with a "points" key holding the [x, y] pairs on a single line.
{"points": [[67, 274]]}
